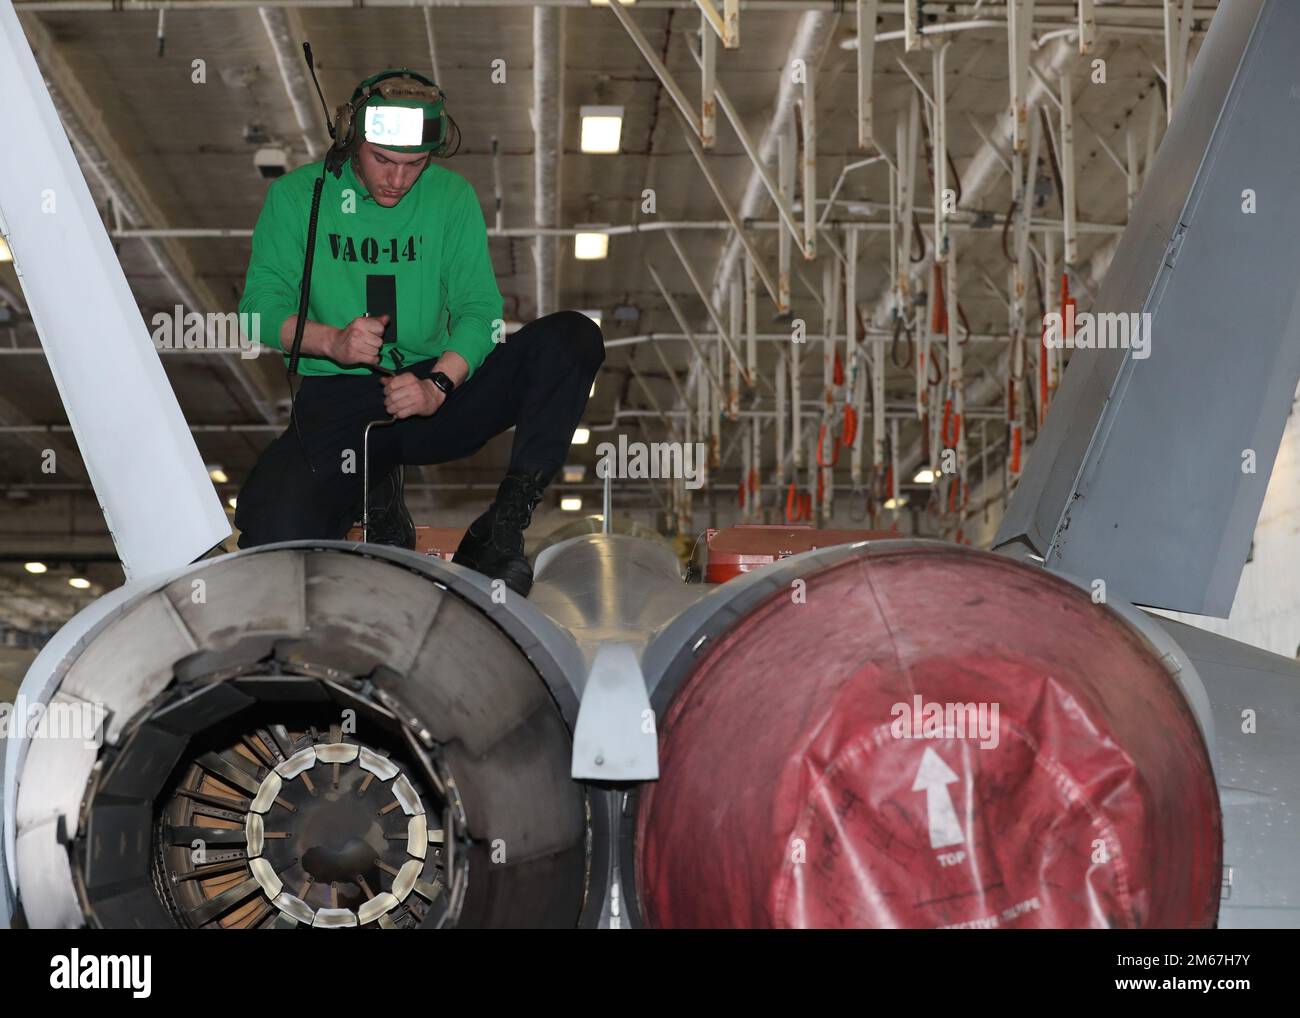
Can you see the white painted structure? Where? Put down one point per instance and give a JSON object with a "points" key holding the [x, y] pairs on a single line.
{"points": [[157, 499]]}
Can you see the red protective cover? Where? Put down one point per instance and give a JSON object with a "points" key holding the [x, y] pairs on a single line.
{"points": [[788, 799]]}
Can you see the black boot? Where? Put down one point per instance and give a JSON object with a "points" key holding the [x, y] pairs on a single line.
{"points": [[389, 521], [494, 543]]}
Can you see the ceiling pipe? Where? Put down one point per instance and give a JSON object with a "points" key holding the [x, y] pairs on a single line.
{"points": [[548, 59], [965, 224]]}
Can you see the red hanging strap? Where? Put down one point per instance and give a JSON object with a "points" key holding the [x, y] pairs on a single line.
{"points": [[950, 421], [850, 426]]}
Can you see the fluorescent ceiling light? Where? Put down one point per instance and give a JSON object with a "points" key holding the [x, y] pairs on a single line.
{"points": [[595, 316], [895, 503], [602, 126], [231, 502], [574, 472], [924, 476], [80, 582], [593, 390], [217, 474], [590, 246], [582, 436], [605, 3], [571, 503], [6, 255], [35, 567]]}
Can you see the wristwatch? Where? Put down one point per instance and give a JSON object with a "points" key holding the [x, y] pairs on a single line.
{"points": [[440, 379]]}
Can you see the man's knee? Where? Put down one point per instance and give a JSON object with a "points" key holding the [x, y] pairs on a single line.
{"points": [[579, 336]]}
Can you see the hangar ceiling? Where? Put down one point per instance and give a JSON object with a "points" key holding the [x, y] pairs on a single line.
{"points": [[170, 161]]}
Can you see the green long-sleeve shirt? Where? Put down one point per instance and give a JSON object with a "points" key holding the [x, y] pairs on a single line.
{"points": [[433, 244]]}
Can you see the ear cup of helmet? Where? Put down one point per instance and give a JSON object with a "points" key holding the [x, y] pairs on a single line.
{"points": [[345, 127]]}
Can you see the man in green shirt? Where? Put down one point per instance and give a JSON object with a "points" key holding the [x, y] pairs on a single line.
{"points": [[404, 322]]}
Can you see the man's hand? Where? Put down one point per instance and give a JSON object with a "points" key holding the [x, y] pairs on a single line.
{"points": [[408, 396], [360, 341]]}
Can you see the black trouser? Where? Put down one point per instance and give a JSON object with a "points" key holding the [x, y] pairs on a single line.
{"points": [[537, 380]]}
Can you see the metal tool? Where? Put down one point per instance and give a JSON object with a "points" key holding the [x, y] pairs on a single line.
{"points": [[365, 447], [365, 476]]}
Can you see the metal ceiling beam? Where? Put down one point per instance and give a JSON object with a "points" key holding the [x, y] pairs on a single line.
{"points": [[738, 230], [714, 316], [708, 82], [813, 34], [682, 324], [669, 83], [283, 35], [671, 373], [1087, 26], [1177, 34], [807, 243], [808, 109], [669, 423], [1020, 32], [866, 12], [725, 23]]}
